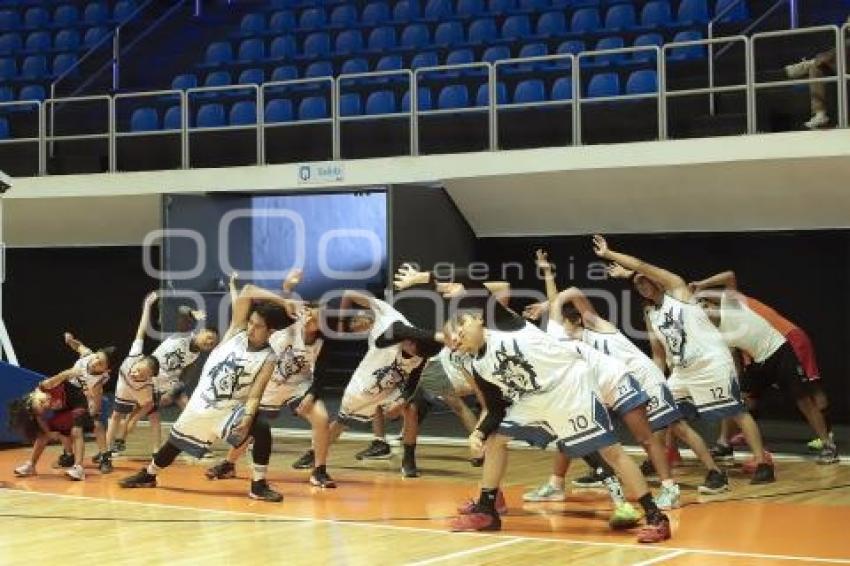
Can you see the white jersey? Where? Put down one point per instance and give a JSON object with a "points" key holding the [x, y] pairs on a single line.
{"points": [[744, 329], [452, 363], [296, 362], [87, 380], [174, 355], [228, 374], [694, 347], [383, 369], [616, 345], [134, 356]]}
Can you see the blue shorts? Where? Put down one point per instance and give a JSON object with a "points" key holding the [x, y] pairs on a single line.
{"points": [[634, 396], [662, 410]]}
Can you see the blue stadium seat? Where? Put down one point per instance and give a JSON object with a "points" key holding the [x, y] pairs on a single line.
{"points": [[185, 81], [252, 24], [516, 27], [460, 57], [646, 40], [621, 17], [252, 50], [644, 81], [8, 68], [243, 113], [67, 40], [313, 108], [688, 53], [500, 7], [405, 11], [375, 13], [36, 18], [282, 47], [278, 111], [6, 94], [437, 10], [10, 20], [574, 46], [95, 13], [64, 62], [382, 38], [4, 129], [692, 12], [66, 15], [389, 63], [534, 5], [123, 10], [210, 116], [562, 89], [10, 43], [283, 21], [172, 119], [312, 19], [350, 104], [319, 69], [348, 42], [656, 14], [38, 42], [354, 66], [603, 84], [552, 24], [32, 92], [34, 67], [453, 96], [217, 78], [219, 53], [585, 20], [284, 73], [610, 58], [482, 97], [344, 16], [448, 34], [424, 59], [251, 77], [534, 50], [317, 44], [144, 120], [423, 100], [496, 53], [469, 8], [529, 91], [739, 13], [381, 102], [483, 31], [415, 36], [94, 36]]}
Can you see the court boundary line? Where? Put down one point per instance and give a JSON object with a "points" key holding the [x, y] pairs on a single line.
{"points": [[662, 558], [711, 552], [466, 552]]}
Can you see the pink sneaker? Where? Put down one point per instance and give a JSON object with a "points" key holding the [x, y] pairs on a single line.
{"points": [[749, 466], [655, 533], [476, 522], [468, 506], [738, 441]]}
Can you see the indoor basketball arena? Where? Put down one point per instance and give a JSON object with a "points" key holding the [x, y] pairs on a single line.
{"points": [[415, 282]]}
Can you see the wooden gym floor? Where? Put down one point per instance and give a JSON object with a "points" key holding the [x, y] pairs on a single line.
{"points": [[375, 517]]}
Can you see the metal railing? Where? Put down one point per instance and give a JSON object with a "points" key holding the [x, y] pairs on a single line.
{"points": [[478, 73], [38, 108], [53, 105]]}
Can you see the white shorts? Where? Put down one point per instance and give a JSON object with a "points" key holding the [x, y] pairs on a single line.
{"points": [[196, 429], [711, 395], [622, 393], [359, 407], [278, 394], [572, 414], [128, 398]]}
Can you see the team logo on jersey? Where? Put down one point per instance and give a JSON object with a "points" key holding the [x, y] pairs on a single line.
{"points": [[515, 371], [175, 359], [224, 379], [674, 333], [292, 362], [388, 377]]}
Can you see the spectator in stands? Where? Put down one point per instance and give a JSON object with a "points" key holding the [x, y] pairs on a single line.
{"points": [[821, 65]]}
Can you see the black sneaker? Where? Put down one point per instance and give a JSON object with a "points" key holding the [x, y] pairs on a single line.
{"points": [[224, 470], [65, 460], [96, 458], [119, 445], [140, 479], [715, 482], [828, 454], [476, 462], [648, 469], [592, 480], [377, 450], [261, 490], [320, 478], [306, 461], [408, 468], [105, 465], [722, 453], [763, 474]]}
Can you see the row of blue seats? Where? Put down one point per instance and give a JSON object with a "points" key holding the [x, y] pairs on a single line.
{"points": [[12, 43], [25, 93], [65, 16], [35, 67], [381, 102], [619, 16]]}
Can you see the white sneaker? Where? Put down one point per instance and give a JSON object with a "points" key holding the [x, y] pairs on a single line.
{"points": [[76, 473], [546, 492], [799, 70], [25, 470], [669, 498], [819, 120]]}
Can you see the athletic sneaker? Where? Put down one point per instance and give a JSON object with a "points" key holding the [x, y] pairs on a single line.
{"points": [[119, 445], [749, 466], [815, 445], [470, 506], [546, 492], [624, 517], [306, 462], [669, 498], [320, 478], [140, 479], [476, 462], [260, 490], [65, 460], [476, 522], [25, 470], [105, 465], [799, 70], [763, 474], [76, 473], [715, 482], [409, 469], [829, 455], [657, 532], [722, 453], [648, 469], [377, 450], [819, 120], [738, 441], [224, 470], [96, 458], [593, 479]]}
